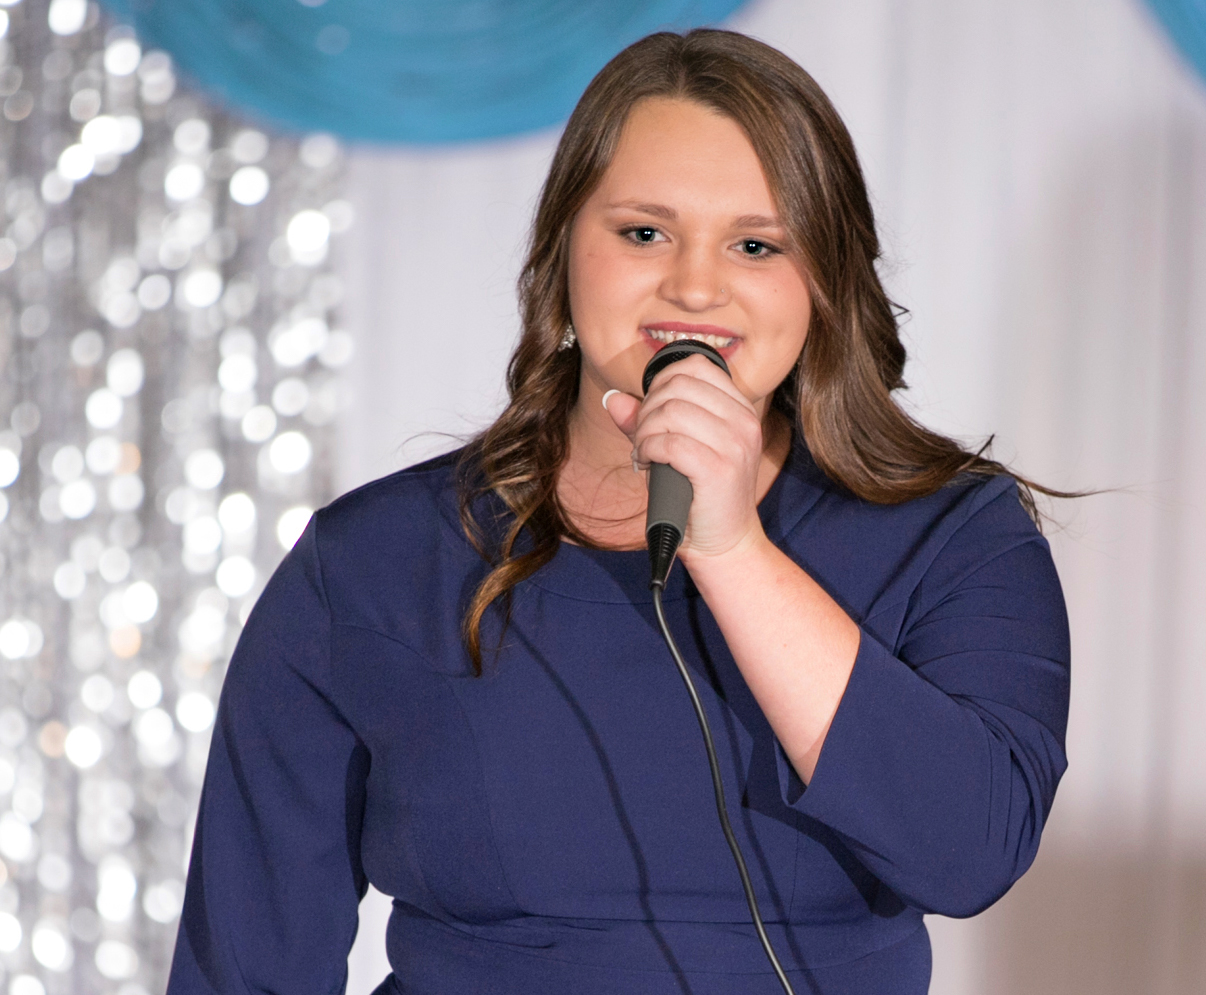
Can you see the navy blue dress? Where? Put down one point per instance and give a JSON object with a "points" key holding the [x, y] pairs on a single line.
{"points": [[549, 828]]}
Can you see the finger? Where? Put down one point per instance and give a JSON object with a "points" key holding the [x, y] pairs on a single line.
{"points": [[691, 406], [623, 409], [733, 446], [676, 416], [719, 397], [693, 459], [698, 368]]}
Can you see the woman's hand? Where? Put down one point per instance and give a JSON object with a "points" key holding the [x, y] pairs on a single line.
{"points": [[695, 419]]}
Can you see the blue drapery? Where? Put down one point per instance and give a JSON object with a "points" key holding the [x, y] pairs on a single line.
{"points": [[420, 71], [1186, 22]]}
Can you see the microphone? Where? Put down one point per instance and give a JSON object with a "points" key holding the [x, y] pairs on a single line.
{"points": [[670, 493]]}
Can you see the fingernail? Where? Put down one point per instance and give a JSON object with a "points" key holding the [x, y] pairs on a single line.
{"points": [[607, 395]]}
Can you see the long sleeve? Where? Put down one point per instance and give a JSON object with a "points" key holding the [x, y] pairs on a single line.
{"points": [[941, 763], [275, 876]]}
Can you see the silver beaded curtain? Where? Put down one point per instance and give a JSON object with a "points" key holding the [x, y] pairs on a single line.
{"points": [[168, 357]]}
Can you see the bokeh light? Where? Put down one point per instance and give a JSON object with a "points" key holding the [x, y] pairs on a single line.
{"points": [[169, 267]]}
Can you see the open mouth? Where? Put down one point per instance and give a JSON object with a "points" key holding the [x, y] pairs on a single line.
{"points": [[664, 334]]}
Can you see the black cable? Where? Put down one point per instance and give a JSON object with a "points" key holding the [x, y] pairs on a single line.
{"points": [[718, 788]]}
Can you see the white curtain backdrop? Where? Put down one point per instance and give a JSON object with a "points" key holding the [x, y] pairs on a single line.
{"points": [[1039, 169]]}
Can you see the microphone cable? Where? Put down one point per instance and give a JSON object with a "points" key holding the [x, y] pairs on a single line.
{"points": [[717, 784], [670, 495]]}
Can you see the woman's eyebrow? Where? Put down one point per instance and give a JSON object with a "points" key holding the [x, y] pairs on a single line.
{"points": [[757, 221], [657, 210], [670, 214]]}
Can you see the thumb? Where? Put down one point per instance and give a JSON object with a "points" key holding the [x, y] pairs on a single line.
{"points": [[623, 409]]}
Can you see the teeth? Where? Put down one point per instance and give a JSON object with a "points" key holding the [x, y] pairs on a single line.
{"points": [[715, 341]]}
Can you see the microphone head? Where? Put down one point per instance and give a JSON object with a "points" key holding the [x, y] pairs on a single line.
{"points": [[675, 351]]}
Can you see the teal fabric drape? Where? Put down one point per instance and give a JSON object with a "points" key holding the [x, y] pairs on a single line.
{"points": [[418, 71], [1186, 22]]}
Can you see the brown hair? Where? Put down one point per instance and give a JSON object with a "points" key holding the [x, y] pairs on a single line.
{"points": [[839, 395]]}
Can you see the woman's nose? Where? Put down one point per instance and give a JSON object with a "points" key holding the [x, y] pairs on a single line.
{"points": [[693, 281]]}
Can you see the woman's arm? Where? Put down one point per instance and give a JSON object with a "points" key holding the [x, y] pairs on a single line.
{"points": [[935, 757], [275, 881], [941, 762], [794, 644], [939, 756]]}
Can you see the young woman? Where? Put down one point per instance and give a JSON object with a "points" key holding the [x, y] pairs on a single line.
{"points": [[454, 688]]}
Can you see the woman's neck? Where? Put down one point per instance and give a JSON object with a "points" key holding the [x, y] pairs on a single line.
{"points": [[605, 499]]}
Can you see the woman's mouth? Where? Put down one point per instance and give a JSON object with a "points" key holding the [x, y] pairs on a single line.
{"points": [[663, 333]]}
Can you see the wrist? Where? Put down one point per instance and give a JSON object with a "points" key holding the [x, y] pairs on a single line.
{"points": [[742, 561]]}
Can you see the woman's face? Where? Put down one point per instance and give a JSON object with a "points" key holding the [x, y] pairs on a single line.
{"points": [[682, 238]]}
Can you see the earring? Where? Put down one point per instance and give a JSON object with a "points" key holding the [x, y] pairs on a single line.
{"points": [[568, 339]]}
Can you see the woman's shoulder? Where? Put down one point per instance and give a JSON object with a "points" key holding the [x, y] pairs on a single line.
{"points": [[393, 532], [974, 517], [983, 503], [411, 499], [871, 554], [975, 503]]}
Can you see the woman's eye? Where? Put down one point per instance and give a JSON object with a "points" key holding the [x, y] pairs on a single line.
{"points": [[643, 235], [752, 247]]}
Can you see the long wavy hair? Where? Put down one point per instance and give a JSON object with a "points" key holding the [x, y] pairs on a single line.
{"points": [[838, 395]]}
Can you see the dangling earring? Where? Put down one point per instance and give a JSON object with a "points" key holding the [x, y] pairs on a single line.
{"points": [[568, 339]]}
